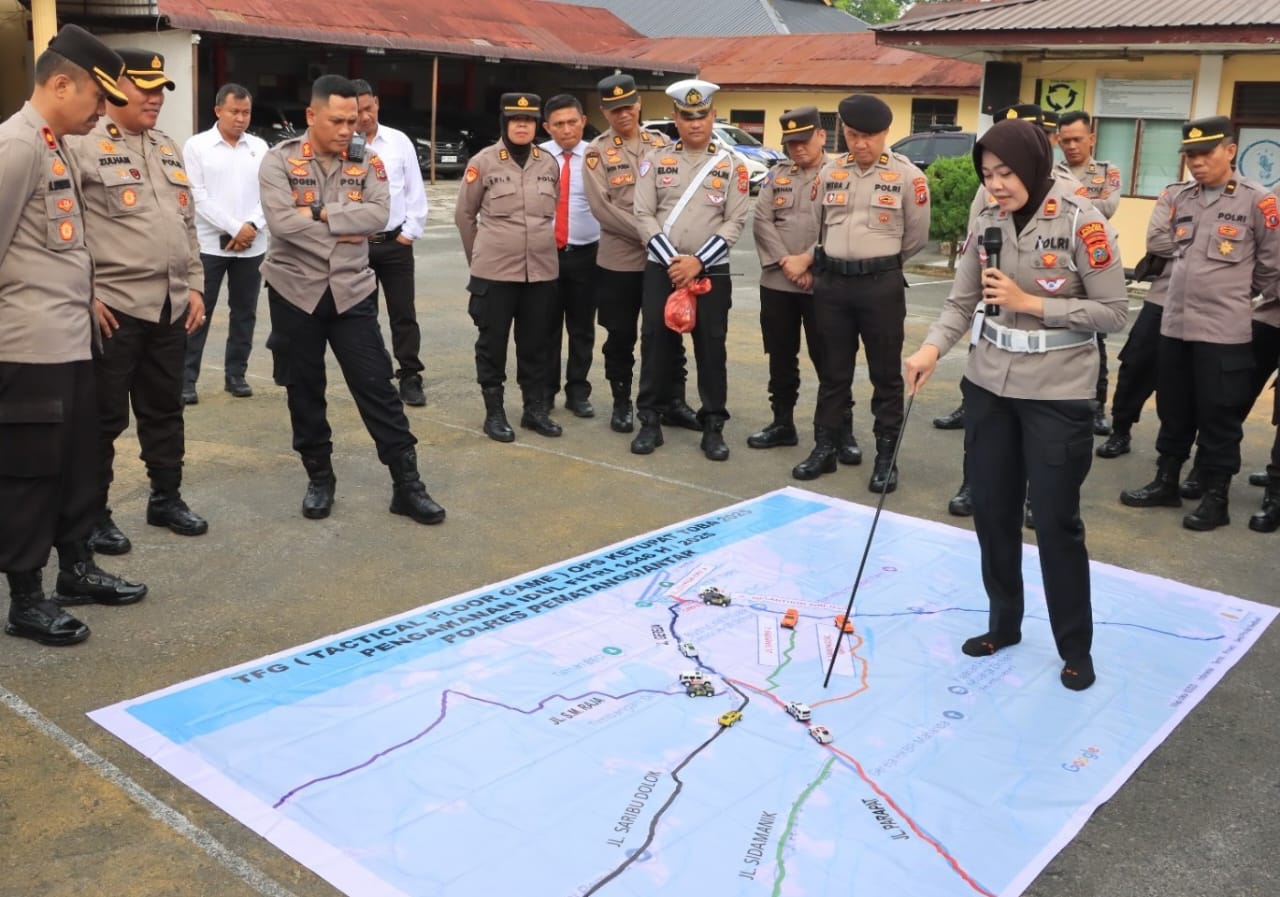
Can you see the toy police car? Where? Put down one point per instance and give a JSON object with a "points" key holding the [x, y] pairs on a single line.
{"points": [[712, 595]]}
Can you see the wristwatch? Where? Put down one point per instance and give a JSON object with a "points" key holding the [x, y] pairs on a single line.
{"points": [[316, 208]]}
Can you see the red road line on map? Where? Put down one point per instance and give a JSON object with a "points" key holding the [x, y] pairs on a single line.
{"points": [[942, 851], [853, 649]]}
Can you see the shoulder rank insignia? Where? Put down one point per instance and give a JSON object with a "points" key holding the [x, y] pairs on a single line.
{"points": [[306, 150], [537, 153], [504, 155], [617, 141], [1050, 207], [884, 159], [113, 130], [49, 140], [592, 159], [1230, 189]]}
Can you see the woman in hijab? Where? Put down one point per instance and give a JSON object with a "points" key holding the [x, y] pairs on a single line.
{"points": [[1038, 276]]}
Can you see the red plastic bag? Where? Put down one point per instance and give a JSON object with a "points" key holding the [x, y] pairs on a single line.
{"points": [[681, 313]]}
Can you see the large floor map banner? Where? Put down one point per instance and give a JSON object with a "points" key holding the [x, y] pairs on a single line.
{"points": [[650, 719]]}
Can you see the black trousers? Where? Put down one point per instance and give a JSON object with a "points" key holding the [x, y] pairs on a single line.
{"points": [[1136, 379], [244, 282], [782, 315], [871, 308], [1101, 390], [661, 347], [577, 317], [1266, 358], [531, 307], [48, 460], [141, 365], [1203, 392], [618, 299], [392, 263], [297, 344], [1012, 445]]}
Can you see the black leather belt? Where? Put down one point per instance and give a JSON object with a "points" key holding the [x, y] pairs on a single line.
{"points": [[855, 267], [579, 247], [386, 235]]}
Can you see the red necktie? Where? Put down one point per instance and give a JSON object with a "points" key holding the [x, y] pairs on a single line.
{"points": [[562, 204]]}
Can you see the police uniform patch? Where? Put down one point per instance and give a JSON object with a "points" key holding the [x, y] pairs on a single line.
{"points": [[921, 186], [666, 180], [782, 181], [835, 198], [106, 146], [744, 180], [1051, 284], [1270, 212], [66, 231], [113, 130], [66, 204], [1099, 180], [890, 176], [839, 175], [716, 183], [645, 165], [813, 191], [182, 198], [355, 195], [135, 174], [592, 160], [299, 171], [471, 175], [619, 179], [180, 176], [1094, 236], [379, 170], [354, 171], [166, 150], [779, 200], [884, 217], [58, 168], [1226, 247], [667, 160], [1113, 178], [1228, 230], [885, 199], [308, 197], [1049, 260], [715, 198], [129, 197]]}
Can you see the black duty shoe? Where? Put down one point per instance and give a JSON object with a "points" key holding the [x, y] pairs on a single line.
{"points": [[106, 537], [961, 505], [1078, 675], [648, 439], [45, 622], [884, 476], [579, 406], [1192, 487], [318, 501], [713, 444], [1267, 520], [774, 435], [238, 386], [1117, 444], [172, 512], [537, 419], [1259, 478], [1100, 425], [87, 583], [189, 397], [411, 390], [412, 500], [847, 449], [952, 421], [622, 419], [679, 414]]}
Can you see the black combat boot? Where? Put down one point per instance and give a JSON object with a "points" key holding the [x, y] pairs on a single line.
{"points": [[33, 616], [166, 507], [495, 416], [411, 391], [1268, 519], [106, 537], [1212, 512], [81, 581], [961, 505], [781, 431], [321, 483], [679, 414], [409, 496], [822, 459], [1162, 492], [713, 445], [1193, 486], [847, 448], [622, 419], [1117, 443], [1100, 425], [579, 405], [537, 418], [650, 435], [884, 476], [952, 421]]}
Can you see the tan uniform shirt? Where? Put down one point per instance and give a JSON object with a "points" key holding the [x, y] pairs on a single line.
{"points": [[982, 199], [1068, 255], [1099, 181], [711, 222], [1160, 242], [305, 257], [1226, 251], [786, 220], [506, 216], [610, 171], [878, 212], [140, 220], [46, 272]]}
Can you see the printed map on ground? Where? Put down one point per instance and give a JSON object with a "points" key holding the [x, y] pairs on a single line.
{"points": [[539, 737]]}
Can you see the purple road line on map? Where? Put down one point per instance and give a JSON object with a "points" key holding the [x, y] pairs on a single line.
{"points": [[444, 704]]}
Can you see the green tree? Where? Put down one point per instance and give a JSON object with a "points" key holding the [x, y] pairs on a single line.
{"points": [[952, 185], [874, 12]]}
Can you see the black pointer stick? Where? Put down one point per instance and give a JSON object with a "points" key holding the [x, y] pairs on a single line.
{"points": [[848, 611]]}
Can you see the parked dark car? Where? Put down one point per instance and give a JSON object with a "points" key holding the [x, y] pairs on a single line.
{"points": [[451, 151], [940, 142]]}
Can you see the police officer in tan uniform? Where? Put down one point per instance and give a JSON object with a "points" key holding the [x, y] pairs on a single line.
{"points": [[875, 216], [1226, 234], [148, 283], [1029, 382], [506, 216], [785, 227], [321, 205], [48, 405], [691, 204], [610, 171]]}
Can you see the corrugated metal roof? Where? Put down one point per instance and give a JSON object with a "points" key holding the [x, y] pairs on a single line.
{"points": [[721, 18], [810, 17], [844, 61], [1086, 15], [502, 29]]}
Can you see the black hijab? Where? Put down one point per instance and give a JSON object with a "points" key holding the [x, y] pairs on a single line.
{"points": [[1025, 149]]}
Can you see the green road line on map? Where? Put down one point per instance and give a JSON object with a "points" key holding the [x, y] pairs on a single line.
{"points": [[791, 821], [787, 654]]}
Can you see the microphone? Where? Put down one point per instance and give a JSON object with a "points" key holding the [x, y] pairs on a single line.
{"points": [[992, 241]]}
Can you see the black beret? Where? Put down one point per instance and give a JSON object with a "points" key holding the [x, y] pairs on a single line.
{"points": [[867, 114], [145, 68], [800, 124], [76, 45], [617, 90], [1206, 133], [515, 105]]}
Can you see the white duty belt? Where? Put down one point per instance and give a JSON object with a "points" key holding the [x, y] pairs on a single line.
{"points": [[1011, 339]]}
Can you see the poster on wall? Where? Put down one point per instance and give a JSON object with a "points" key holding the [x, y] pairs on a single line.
{"points": [[1143, 98], [1061, 95], [1259, 155]]}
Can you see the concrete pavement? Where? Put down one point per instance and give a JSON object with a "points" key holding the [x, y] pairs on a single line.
{"points": [[81, 814]]}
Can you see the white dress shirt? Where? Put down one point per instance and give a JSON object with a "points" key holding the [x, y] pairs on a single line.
{"points": [[404, 178], [224, 184], [583, 227]]}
